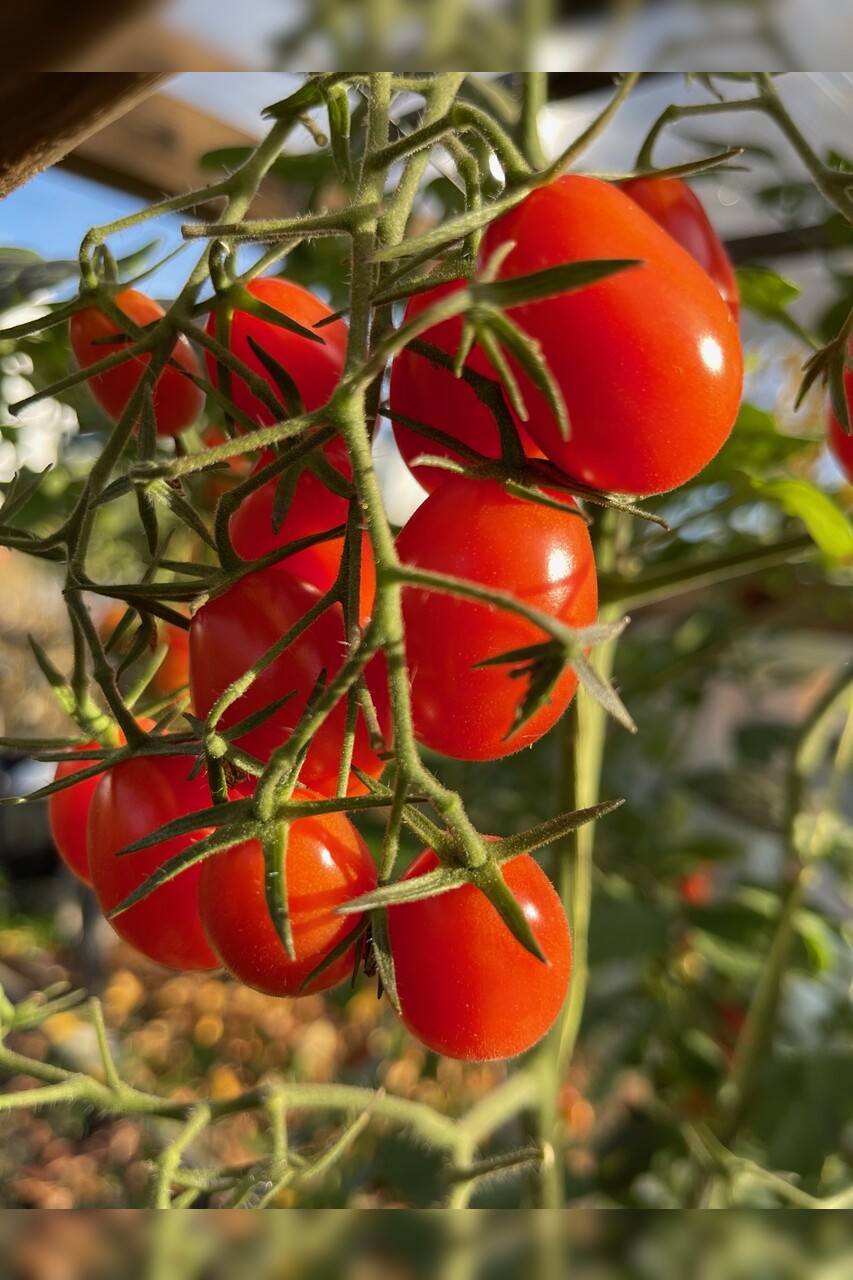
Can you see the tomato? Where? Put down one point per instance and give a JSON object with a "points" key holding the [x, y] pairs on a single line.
{"points": [[313, 509], [132, 800], [327, 864], [467, 988], [178, 402], [696, 888], [314, 366], [430, 394], [68, 810], [841, 445], [173, 672], [233, 630], [649, 361], [676, 208], [473, 529]]}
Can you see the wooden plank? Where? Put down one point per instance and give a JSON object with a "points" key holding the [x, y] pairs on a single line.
{"points": [[49, 113], [154, 150], [41, 35]]}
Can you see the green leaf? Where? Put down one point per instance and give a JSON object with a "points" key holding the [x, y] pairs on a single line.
{"points": [[442, 880], [21, 488], [339, 949], [489, 880], [827, 524], [337, 102], [217, 815], [307, 95], [755, 445], [162, 491], [274, 846], [263, 311], [528, 353], [764, 291], [284, 380], [216, 842], [383, 958], [23, 274], [550, 282]]}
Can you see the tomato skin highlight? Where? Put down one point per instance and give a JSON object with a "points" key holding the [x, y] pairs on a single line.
{"points": [[649, 361], [232, 631], [178, 402], [467, 988], [430, 394], [675, 206], [314, 366], [327, 864], [133, 799], [474, 530]]}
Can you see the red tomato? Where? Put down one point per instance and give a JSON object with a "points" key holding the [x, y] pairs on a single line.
{"points": [[473, 529], [467, 988], [233, 630], [427, 393], [68, 810], [132, 800], [173, 672], [178, 402], [649, 361], [676, 208], [327, 864], [314, 366], [696, 888], [312, 509], [841, 445]]}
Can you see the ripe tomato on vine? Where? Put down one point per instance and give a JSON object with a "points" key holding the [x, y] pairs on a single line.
{"points": [[467, 987], [476, 531], [327, 865], [314, 365], [132, 800], [428, 393], [676, 208], [233, 631], [313, 508], [68, 809], [178, 401], [648, 361]]}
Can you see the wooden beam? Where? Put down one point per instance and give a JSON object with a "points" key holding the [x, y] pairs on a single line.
{"points": [[46, 114], [45, 36], [154, 151]]}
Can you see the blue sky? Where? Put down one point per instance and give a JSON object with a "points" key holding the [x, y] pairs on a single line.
{"points": [[54, 210]]}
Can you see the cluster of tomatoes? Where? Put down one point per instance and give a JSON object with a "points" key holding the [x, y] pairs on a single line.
{"points": [[648, 363]]}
